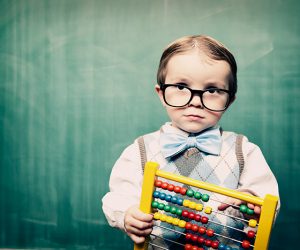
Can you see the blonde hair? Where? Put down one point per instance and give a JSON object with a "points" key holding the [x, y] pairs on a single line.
{"points": [[205, 44]]}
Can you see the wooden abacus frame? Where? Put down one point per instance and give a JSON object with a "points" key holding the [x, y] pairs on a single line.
{"points": [[268, 204]]}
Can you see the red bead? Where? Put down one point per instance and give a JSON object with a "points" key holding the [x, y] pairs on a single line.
{"points": [[194, 248], [194, 237], [177, 189], [215, 244], [210, 232], [188, 247], [183, 190], [195, 228], [245, 244], [251, 234], [170, 187], [202, 230], [164, 185], [201, 240], [185, 213], [200, 248], [157, 183], [188, 236], [188, 226], [204, 219], [197, 217], [191, 216], [208, 243]]}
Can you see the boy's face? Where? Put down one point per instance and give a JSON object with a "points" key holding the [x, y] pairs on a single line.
{"points": [[198, 72]]}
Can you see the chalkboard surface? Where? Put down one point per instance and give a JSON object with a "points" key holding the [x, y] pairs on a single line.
{"points": [[77, 86]]}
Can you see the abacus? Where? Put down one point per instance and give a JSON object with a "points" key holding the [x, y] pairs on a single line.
{"points": [[198, 236]]}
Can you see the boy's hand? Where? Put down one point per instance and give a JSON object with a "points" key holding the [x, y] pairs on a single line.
{"points": [[137, 224], [236, 202]]}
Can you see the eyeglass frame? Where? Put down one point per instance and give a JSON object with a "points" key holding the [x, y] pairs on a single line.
{"points": [[199, 93]]}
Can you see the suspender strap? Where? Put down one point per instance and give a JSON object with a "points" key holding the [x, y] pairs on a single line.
{"points": [[142, 151], [239, 152]]}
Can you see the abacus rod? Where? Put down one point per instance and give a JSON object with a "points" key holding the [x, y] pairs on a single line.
{"points": [[167, 239], [226, 237], [210, 187], [152, 244]]}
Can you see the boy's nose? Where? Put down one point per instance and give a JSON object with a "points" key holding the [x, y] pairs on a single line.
{"points": [[196, 101]]}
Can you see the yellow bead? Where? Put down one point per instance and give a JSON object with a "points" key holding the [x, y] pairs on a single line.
{"points": [[192, 205], [163, 217], [169, 219], [175, 221], [186, 203], [252, 223], [208, 210], [157, 216], [181, 223], [199, 207]]}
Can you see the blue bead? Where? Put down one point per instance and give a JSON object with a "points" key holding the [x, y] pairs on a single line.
{"points": [[174, 200], [222, 246], [168, 197], [156, 194], [228, 248], [180, 201], [162, 196]]}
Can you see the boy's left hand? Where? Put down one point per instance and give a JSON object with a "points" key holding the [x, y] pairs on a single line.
{"points": [[230, 202]]}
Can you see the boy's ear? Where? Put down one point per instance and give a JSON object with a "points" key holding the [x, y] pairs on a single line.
{"points": [[160, 94]]}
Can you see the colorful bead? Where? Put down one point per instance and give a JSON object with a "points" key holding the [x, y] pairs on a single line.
{"points": [[190, 193], [170, 219], [202, 230], [192, 205], [168, 197], [208, 210], [170, 187], [195, 228], [186, 203], [162, 196], [173, 210], [188, 247], [179, 211], [252, 223], [250, 211], [215, 244], [161, 206], [167, 208], [228, 248], [222, 246], [156, 194], [157, 183], [156, 216], [188, 226], [245, 244], [205, 197], [177, 189], [199, 207], [191, 216], [185, 213], [154, 204], [164, 185], [182, 223], [175, 221], [197, 195], [208, 243], [163, 217], [194, 237], [201, 240], [210, 232], [197, 217], [204, 220], [243, 208], [179, 201], [174, 199], [251, 234], [183, 190]]}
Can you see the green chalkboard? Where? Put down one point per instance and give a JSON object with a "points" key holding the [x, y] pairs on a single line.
{"points": [[77, 86]]}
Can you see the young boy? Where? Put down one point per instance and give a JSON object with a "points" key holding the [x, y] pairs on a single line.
{"points": [[197, 83]]}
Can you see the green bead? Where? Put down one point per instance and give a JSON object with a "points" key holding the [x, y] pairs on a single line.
{"points": [[190, 193], [179, 211], [167, 208], [205, 197], [161, 206], [250, 211], [197, 195], [154, 204], [173, 210], [243, 208]]}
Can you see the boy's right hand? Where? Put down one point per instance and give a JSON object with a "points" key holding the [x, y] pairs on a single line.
{"points": [[137, 224]]}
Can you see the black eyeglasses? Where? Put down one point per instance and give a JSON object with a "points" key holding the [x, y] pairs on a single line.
{"points": [[214, 99]]}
